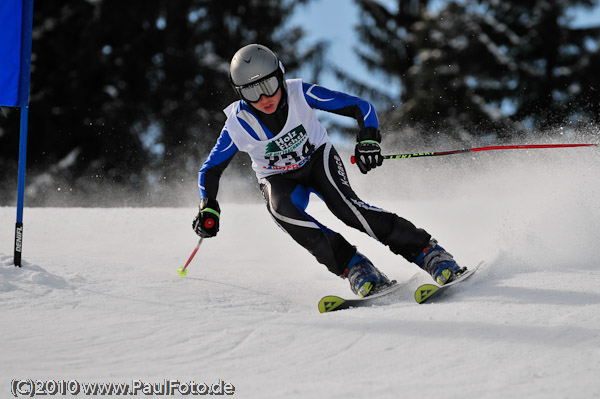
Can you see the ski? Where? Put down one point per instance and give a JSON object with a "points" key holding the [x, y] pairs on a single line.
{"points": [[427, 291], [332, 303]]}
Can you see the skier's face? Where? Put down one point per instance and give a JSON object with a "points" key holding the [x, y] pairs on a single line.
{"points": [[268, 105]]}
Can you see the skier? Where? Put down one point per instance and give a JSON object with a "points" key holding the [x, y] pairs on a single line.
{"points": [[275, 123]]}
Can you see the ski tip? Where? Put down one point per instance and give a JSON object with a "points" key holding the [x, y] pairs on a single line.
{"points": [[425, 291], [330, 303]]}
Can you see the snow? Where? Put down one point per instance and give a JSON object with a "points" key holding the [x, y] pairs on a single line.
{"points": [[99, 299]]}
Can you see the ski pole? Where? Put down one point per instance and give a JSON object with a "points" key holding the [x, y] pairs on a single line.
{"points": [[182, 271], [476, 149]]}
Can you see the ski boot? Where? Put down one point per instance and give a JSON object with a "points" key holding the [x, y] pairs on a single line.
{"points": [[440, 264], [364, 278]]}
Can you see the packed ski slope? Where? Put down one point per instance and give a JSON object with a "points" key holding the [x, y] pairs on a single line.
{"points": [[99, 298]]}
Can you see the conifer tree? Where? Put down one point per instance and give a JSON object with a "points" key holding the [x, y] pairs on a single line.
{"points": [[131, 93], [486, 66]]}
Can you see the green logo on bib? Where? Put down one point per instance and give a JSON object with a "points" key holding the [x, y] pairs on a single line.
{"points": [[287, 143]]}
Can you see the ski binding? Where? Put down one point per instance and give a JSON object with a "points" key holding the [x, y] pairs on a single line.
{"points": [[427, 291]]}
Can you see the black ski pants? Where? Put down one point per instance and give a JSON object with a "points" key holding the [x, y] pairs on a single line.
{"points": [[324, 174]]}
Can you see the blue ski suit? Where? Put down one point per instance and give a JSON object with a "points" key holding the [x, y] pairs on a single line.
{"points": [[293, 157]]}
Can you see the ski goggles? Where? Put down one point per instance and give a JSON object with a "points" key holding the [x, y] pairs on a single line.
{"points": [[266, 87]]}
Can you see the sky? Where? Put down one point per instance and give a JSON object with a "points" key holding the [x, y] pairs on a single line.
{"points": [[325, 19]]}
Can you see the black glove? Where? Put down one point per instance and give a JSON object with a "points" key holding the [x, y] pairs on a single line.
{"points": [[367, 151], [206, 223]]}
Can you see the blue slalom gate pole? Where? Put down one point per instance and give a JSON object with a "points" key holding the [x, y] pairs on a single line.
{"points": [[23, 104], [21, 186]]}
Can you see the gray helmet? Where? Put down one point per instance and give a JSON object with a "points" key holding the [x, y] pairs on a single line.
{"points": [[251, 71]]}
